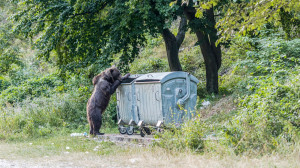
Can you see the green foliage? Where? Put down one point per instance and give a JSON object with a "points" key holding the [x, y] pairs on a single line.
{"points": [[4, 83], [244, 16], [188, 137], [192, 62], [34, 87], [142, 66], [268, 114], [41, 116], [91, 32], [9, 52], [264, 78]]}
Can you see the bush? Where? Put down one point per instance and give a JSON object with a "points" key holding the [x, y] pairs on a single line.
{"points": [[40, 116], [188, 137], [268, 112], [31, 88], [4, 83]]}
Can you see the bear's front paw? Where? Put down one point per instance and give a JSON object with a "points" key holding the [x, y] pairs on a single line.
{"points": [[126, 76]]}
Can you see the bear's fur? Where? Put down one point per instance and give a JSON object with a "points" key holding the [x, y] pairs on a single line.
{"points": [[105, 84]]}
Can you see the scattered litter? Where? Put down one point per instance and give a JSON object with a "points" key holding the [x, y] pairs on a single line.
{"points": [[30, 143], [78, 134], [67, 148], [205, 104], [96, 148], [133, 160]]}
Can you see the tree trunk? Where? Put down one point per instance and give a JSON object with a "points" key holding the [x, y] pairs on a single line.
{"points": [[211, 65], [172, 50], [211, 53], [173, 43]]}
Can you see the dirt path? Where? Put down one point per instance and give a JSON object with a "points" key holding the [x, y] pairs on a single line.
{"points": [[26, 163], [75, 160], [27, 155], [81, 160]]}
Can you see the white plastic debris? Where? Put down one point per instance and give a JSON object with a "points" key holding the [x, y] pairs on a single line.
{"points": [[78, 134], [133, 160], [96, 148], [205, 104]]}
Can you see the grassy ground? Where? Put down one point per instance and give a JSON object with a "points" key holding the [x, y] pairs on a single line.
{"points": [[66, 151]]}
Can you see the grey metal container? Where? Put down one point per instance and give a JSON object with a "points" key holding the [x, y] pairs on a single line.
{"points": [[157, 98], [165, 98], [126, 101]]}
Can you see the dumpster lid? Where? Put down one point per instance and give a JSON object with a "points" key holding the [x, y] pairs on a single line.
{"points": [[164, 76], [131, 78]]}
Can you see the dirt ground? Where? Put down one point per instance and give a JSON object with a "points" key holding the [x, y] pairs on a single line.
{"points": [[79, 160], [137, 157]]}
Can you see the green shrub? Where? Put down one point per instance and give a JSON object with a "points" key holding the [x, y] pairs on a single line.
{"points": [[4, 83], [188, 137], [268, 113], [39, 116], [31, 88]]}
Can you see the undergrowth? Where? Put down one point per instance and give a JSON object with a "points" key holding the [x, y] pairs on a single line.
{"points": [[264, 79]]}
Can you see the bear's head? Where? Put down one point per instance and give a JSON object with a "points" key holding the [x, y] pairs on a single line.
{"points": [[110, 74]]}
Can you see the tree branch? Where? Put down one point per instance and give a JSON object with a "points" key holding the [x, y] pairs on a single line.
{"points": [[168, 35], [181, 31]]}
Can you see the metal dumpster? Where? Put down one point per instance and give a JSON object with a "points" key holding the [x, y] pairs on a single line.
{"points": [[165, 98], [155, 99], [126, 113]]}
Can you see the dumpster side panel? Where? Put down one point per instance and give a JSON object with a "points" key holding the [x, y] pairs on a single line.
{"points": [[191, 103], [149, 104], [173, 90], [124, 102]]}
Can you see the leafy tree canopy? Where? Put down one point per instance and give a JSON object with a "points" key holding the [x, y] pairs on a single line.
{"points": [[241, 16], [84, 32], [9, 53]]}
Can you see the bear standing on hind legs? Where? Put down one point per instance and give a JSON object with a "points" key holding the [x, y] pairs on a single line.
{"points": [[105, 84]]}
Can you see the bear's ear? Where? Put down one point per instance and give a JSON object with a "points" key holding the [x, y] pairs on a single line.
{"points": [[95, 79], [110, 72]]}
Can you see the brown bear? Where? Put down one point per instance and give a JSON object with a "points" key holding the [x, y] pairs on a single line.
{"points": [[105, 84]]}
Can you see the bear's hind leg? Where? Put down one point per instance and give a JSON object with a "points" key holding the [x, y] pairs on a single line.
{"points": [[97, 120], [91, 128]]}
